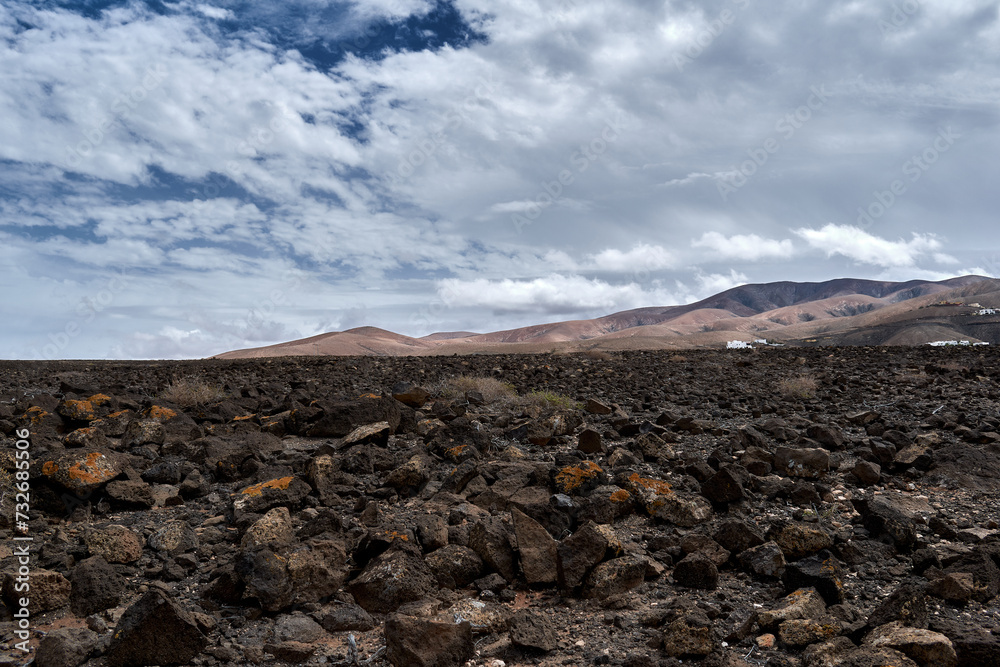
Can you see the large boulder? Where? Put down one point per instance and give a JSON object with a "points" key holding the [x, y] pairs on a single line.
{"points": [[392, 579], [155, 631], [419, 642]]}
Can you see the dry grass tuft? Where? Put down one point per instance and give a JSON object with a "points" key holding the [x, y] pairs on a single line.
{"points": [[502, 394], [800, 386], [493, 390], [189, 392]]}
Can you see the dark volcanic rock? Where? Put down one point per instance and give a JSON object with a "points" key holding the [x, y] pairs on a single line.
{"points": [[614, 577], [343, 617], [95, 587], [907, 604], [696, 571], [155, 631], [821, 571], [537, 549], [533, 630], [887, 522], [265, 575], [65, 647], [737, 536], [455, 566], [723, 487], [489, 538], [418, 642], [579, 553], [805, 462], [392, 579]]}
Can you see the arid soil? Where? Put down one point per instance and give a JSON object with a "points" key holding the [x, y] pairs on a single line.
{"points": [[771, 507]]}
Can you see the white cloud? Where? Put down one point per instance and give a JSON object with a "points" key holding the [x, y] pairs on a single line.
{"points": [[214, 12], [483, 132], [551, 294], [860, 246], [642, 257], [710, 284], [749, 247]]}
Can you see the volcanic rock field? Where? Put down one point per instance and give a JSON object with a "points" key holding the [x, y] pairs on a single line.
{"points": [[793, 507]]}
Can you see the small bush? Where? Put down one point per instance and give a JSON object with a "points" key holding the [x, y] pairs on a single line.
{"points": [[493, 390], [548, 399], [801, 386], [188, 392], [598, 355]]}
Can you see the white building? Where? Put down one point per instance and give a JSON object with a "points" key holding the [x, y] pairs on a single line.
{"points": [[738, 345]]}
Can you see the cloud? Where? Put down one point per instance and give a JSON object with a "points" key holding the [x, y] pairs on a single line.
{"points": [[215, 145], [710, 284], [748, 247], [642, 257], [860, 246], [554, 294]]}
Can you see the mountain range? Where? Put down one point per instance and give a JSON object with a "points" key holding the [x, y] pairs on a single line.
{"points": [[844, 311]]}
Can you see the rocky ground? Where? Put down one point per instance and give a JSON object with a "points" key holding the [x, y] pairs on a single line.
{"points": [[774, 507]]}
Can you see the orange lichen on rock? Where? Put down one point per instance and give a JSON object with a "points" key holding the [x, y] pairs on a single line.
{"points": [[79, 409], [571, 478], [257, 489], [456, 451], [621, 496], [658, 486], [50, 468], [99, 399], [160, 414], [35, 415], [88, 470], [243, 418], [369, 395]]}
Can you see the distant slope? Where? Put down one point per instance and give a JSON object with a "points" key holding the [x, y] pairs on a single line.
{"points": [[836, 312]]}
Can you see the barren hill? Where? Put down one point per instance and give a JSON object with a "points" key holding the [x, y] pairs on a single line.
{"points": [[845, 311]]}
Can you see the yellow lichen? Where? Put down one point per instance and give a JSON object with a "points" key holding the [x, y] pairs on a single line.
{"points": [[160, 414], [84, 470], [456, 451], [658, 486], [79, 409], [621, 496], [572, 477], [257, 489]]}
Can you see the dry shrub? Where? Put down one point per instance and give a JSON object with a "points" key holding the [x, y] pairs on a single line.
{"points": [[597, 355], [188, 392], [548, 399], [492, 389], [498, 393], [800, 386]]}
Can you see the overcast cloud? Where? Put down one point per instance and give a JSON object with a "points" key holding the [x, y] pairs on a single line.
{"points": [[178, 179]]}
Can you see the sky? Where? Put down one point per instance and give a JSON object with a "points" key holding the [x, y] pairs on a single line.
{"points": [[178, 179]]}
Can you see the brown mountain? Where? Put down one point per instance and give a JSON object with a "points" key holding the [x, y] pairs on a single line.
{"points": [[836, 312]]}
